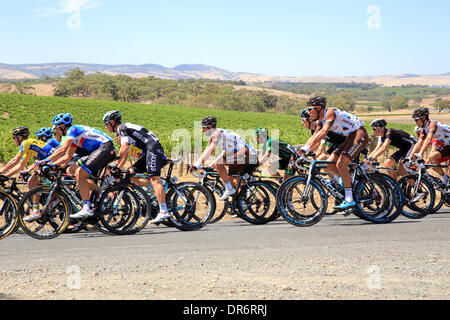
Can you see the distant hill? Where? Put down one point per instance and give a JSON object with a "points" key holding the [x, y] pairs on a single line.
{"points": [[201, 71]]}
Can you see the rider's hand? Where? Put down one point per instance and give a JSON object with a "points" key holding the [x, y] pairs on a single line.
{"points": [[41, 162], [194, 167], [416, 156]]}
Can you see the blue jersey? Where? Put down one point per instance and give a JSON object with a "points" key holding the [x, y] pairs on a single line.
{"points": [[51, 145], [87, 138]]}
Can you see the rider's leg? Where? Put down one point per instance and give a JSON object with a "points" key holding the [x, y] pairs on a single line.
{"points": [[390, 163]]}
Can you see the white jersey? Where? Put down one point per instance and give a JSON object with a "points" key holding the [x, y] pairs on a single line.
{"points": [[345, 123], [442, 133], [232, 142]]}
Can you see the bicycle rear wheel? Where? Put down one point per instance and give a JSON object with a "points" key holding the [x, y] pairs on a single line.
{"points": [[9, 217], [55, 209]]}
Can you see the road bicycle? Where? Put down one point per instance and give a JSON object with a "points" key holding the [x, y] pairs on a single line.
{"points": [[303, 199], [420, 189], [117, 206], [191, 205], [254, 200]]}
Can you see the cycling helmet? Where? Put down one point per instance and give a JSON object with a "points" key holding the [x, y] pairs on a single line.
{"points": [[305, 113], [261, 132], [209, 121], [378, 123], [112, 115], [317, 102], [421, 112], [44, 132], [62, 118], [20, 131]]}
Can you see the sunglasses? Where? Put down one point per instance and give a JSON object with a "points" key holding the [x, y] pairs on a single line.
{"points": [[416, 119]]}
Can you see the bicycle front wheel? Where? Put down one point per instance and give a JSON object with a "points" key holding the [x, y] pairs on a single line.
{"points": [[54, 207], [302, 204], [8, 214], [191, 204], [419, 196]]}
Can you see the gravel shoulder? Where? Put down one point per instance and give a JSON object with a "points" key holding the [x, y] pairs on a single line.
{"points": [[339, 258]]}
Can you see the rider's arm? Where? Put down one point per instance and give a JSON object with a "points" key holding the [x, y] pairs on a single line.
{"points": [[12, 163], [428, 139], [380, 149], [67, 149], [209, 149], [265, 157], [123, 155], [15, 170], [319, 135]]}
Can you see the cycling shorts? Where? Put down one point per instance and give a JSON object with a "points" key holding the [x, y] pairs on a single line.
{"points": [[152, 161], [98, 159], [354, 143]]}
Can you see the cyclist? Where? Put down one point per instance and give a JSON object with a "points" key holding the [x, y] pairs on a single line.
{"points": [[324, 148], [278, 147], [93, 141], [134, 135], [29, 148], [237, 154], [400, 139], [429, 130], [345, 124]]}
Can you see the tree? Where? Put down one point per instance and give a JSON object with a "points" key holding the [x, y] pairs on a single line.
{"points": [[399, 102]]}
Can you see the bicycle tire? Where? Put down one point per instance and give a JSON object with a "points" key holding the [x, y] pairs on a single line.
{"points": [[417, 212], [118, 209], [438, 204], [249, 202], [9, 218], [188, 213], [285, 201], [56, 214]]}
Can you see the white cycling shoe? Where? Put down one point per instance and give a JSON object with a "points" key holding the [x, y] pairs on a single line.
{"points": [[227, 193], [82, 214], [161, 217]]}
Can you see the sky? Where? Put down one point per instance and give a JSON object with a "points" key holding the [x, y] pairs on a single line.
{"points": [[281, 38]]}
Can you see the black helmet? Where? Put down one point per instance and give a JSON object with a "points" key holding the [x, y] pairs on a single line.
{"points": [[112, 115], [421, 112], [21, 131], [378, 123], [317, 102], [209, 121]]}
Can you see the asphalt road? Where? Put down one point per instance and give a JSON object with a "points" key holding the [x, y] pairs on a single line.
{"points": [[338, 258]]}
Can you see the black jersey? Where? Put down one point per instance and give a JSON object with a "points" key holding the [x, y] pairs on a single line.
{"points": [[399, 138], [136, 135]]}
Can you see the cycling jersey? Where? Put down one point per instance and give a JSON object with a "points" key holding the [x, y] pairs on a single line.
{"points": [[87, 138], [283, 149], [344, 123], [442, 133], [33, 148], [399, 139], [232, 142], [51, 145], [135, 135]]}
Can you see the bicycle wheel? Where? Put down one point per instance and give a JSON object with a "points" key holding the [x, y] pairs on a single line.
{"points": [[395, 195], [119, 209], [375, 199], [294, 201], [9, 217], [217, 188], [191, 204], [256, 202], [55, 209], [440, 195], [419, 196]]}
